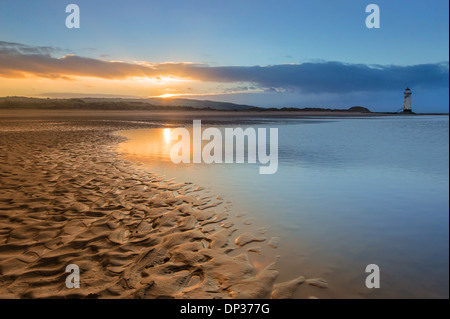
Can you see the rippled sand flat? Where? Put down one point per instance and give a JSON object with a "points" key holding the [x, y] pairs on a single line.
{"points": [[66, 198]]}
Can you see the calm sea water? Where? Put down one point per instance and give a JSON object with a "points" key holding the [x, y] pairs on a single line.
{"points": [[348, 193]]}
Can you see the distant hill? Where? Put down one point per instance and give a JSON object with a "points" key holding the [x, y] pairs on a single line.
{"points": [[118, 104], [92, 103], [175, 102], [200, 104]]}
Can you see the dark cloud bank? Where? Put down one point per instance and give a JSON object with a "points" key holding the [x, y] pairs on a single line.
{"points": [[18, 60]]}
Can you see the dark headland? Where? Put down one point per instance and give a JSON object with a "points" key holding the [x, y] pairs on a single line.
{"points": [[184, 106], [150, 104]]}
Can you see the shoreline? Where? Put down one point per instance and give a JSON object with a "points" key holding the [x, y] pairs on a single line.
{"points": [[67, 197], [161, 116]]}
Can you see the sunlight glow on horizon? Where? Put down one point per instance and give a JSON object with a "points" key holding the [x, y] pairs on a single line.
{"points": [[168, 95]]}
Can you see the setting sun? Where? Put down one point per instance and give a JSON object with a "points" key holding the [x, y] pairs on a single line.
{"points": [[168, 95]]}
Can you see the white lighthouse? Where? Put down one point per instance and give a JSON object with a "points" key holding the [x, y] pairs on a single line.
{"points": [[407, 106]]}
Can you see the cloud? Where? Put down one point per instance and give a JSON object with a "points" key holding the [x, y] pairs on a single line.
{"points": [[19, 60], [334, 77], [19, 48], [15, 64]]}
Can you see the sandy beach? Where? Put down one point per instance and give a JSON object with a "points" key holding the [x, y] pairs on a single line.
{"points": [[66, 197]]}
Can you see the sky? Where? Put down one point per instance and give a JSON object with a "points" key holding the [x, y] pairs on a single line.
{"points": [[265, 53]]}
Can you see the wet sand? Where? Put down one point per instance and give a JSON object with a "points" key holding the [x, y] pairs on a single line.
{"points": [[66, 197]]}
